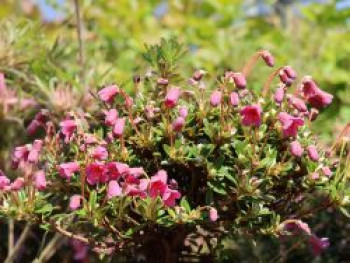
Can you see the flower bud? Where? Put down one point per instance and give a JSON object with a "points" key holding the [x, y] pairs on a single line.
{"points": [[118, 128], [296, 149], [183, 111], [162, 81], [234, 99], [239, 80], [215, 98], [268, 58], [40, 180], [172, 97], [213, 214], [279, 95], [75, 202], [178, 124], [313, 153]]}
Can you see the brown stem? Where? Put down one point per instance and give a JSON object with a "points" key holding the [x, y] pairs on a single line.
{"points": [[250, 64], [11, 239], [10, 257], [267, 84]]}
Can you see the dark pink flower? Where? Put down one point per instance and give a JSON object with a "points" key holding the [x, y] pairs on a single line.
{"points": [[111, 117], [118, 128], [134, 190], [183, 111], [172, 97], [68, 127], [99, 153], [96, 173], [33, 126], [113, 189], [313, 153], [108, 93], [75, 202], [158, 183], [34, 152], [284, 78], [314, 95], [290, 124], [318, 244], [17, 184], [279, 95], [215, 98], [21, 153], [296, 149], [290, 72], [178, 124], [40, 180], [268, 58], [234, 99], [117, 169], [169, 197], [237, 78], [251, 115], [298, 104], [67, 170], [80, 250], [213, 214]]}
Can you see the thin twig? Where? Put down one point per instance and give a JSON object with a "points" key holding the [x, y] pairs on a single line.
{"points": [[50, 249], [11, 238], [19, 244]]}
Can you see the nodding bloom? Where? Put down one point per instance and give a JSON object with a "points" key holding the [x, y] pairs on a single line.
{"points": [[117, 169], [172, 97], [118, 128], [290, 124], [113, 189], [234, 99], [40, 180], [314, 95], [178, 124], [236, 77], [284, 78], [96, 173], [326, 171], [296, 149], [313, 153], [279, 94], [169, 197], [99, 153], [68, 127], [215, 98], [198, 74], [297, 104], [111, 117], [183, 111], [251, 115], [290, 72], [213, 214], [75, 202], [33, 127], [268, 58], [17, 184], [34, 153], [108, 93], [67, 170], [4, 181], [318, 244]]}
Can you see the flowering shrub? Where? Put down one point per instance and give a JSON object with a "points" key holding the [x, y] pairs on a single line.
{"points": [[178, 155]]}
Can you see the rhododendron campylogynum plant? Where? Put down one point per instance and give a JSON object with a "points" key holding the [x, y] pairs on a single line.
{"points": [[177, 156]]}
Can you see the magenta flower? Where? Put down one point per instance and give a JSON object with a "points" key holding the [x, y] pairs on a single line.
{"points": [[108, 93], [118, 128], [40, 180], [284, 78], [290, 72], [96, 173], [117, 169], [298, 104], [34, 153], [33, 126], [169, 197], [290, 124], [178, 124], [172, 97], [251, 115], [134, 190], [279, 95], [158, 184], [17, 184], [99, 153], [4, 181], [215, 98], [111, 117], [213, 214], [313, 153], [113, 189], [296, 149], [67, 170], [314, 95], [21, 153], [68, 127], [183, 111], [318, 244], [234, 99], [75, 202], [268, 58]]}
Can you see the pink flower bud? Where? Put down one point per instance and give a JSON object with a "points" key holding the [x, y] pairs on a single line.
{"points": [[113, 189], [172, 97], [162, 81], [313, 153], [251, 115], [118, 128], [234, 99], [279, 95], [33, 127], [213, 214], [68, 127], [268, 58], [4, 181], [17, 184], [75, 202], [111, 117], [326, 171], [296, 149], [285, 79], [40, 180], [67, 170], [239, 80], [215, 98], [290, 72], [198, 74], [178, 124], [108, 93], [183, 111]]}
